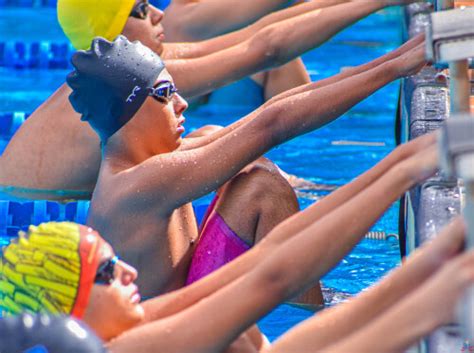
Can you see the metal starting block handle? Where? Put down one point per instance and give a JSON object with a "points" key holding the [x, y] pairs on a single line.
{"points": [[450, 35], [456, 145]]}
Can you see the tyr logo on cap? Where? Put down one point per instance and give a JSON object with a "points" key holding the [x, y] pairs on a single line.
{"points": [[133, 95]]}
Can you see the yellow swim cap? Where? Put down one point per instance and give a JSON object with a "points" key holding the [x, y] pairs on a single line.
{"points": [[50, 269], [82, 20]]}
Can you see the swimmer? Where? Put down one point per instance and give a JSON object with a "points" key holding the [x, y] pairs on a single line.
{"points": [[100, 288], [53, 155], [150, 174]]}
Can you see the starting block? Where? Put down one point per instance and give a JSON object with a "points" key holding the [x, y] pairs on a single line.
{"points": [[457, 147], [450, 35]]}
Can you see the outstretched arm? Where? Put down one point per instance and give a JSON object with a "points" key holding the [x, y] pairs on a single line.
{"points": [[332, 325], [201, 141], [206, 47], [217, 162], [420, 312], [279, 277], [192, 21], [272, 46], [412, 43]]}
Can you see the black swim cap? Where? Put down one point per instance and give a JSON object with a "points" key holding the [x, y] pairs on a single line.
{"points": [[47, 334], [111, 82]]}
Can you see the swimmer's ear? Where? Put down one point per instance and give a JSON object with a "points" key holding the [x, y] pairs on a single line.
{"points": [[81, 58], [101, 46]]}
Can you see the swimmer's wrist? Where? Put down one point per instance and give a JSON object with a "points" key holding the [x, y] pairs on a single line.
{"points": [[393, 69]]}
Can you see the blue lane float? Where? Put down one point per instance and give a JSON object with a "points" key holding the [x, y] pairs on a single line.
{"points": [[36, 55], [17, 216]]}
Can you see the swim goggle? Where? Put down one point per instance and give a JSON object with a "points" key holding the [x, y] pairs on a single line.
{"points": [[141, 10], [105, 272], [163, 91]]}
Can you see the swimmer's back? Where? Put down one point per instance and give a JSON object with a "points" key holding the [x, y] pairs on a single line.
{"points": [[52, 150]]}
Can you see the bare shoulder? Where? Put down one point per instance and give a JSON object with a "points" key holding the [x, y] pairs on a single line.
{"points": [[130, 189]]}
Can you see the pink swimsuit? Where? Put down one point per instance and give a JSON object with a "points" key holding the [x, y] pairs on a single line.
{"points": [[218, 245]]}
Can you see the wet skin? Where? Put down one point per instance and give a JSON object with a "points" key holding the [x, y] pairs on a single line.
{"points": [[115, 308], [170, 322], [150, 174], [54, 150], [159, 244]]}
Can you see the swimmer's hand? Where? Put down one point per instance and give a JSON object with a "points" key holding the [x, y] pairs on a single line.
{"points": [[411, 62], [422, 165], [410, 44], [438, 298]]}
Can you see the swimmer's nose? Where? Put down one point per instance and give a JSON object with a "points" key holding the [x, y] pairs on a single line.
{"points": [[127, 273], [180, 105], [156, 15]]}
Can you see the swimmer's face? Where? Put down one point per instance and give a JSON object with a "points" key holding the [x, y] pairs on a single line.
{"points": [[114, 308], [162, 120], [149, 31]]}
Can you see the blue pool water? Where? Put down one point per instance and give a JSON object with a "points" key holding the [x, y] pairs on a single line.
{"points": [[333, 155]]}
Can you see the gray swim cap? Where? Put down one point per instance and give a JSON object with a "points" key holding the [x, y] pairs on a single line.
{"points": [[111, 81], [44, 333]]}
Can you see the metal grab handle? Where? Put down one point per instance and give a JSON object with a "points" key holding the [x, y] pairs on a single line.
{"points": [[457, 158]]}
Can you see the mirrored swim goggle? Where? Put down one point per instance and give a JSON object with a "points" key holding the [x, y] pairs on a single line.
{"points": [[163, 91], [105, 272], [141, 10]]}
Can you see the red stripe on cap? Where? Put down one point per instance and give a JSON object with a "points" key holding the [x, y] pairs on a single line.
{"points": [[89, 249]]}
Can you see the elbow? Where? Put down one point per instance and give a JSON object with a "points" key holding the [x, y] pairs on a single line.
{"points": [[275, 281], [273, 124], [270, 47]]}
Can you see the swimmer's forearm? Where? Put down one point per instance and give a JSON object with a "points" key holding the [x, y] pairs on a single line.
{"points": [[207, 19], [332, 324], [400, 327], [272, 46], [318, 210], [324, 243], [308, 111], [222, 42], [348, 72], [394, 333], [290, 38]]}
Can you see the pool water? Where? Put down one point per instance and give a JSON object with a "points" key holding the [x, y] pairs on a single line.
{"points": [[334, 155]]}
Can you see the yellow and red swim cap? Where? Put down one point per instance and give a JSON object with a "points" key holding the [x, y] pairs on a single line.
{"points": [[50, 269], [82, 20]]}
